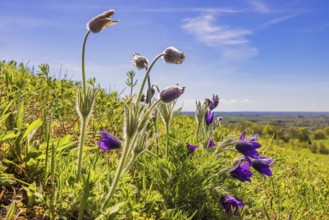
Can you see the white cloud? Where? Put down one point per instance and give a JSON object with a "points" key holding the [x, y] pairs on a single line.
{"points": [[202, 10], [260, 6], [231, 41], [226, 102], [25, 22], [279, 20]]}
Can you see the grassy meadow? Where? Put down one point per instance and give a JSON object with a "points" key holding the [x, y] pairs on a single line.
{"points": [[39, 145]]}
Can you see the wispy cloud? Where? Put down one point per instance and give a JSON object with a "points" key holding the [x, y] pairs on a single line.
{"points": [[235, 101], [231, 42], [279, 20], [202, 10], [259, 6], [25, 22]]}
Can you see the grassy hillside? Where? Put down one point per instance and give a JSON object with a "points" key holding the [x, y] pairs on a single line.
{"points": [[39, 134]]}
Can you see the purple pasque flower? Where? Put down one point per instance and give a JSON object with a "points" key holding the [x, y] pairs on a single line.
{"points": [[231, 204], [248, 146], [191, 147], [242, 172], [213, 103], [171, 93], [261, 165], [210, 117], [211, 143], [109, 142]]}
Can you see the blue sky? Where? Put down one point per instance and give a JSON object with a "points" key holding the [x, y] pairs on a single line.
{"points": [[257, 55]]}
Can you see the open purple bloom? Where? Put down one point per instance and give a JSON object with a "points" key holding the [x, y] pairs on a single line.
{"points": [[248, 146], [191, 147], [229, 203], [209, 117], [262, 165], [214, 102], [211, 144], [242, 172], [109, 142]]}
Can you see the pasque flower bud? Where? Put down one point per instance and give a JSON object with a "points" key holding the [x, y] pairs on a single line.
{"points": [[140, 61], [172, 55], [101, 21], [171, 93]]}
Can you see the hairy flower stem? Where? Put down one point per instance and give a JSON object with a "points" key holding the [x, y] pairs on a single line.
{"points": [[83, 61], [146, 76], [118, 173], [197, 131], [81, 144], [129, 146], [149, 90], [167, 134], [82, 118]]}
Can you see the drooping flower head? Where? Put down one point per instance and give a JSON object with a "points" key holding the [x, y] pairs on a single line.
{"points": [[191, 147], [231, 204], [140, 61], [262, 165], [242, 172], [171, 93], [172, 55], [209, 117], [211, 143], [213, 103], [248, 146], [100, 22], [109, 142]]}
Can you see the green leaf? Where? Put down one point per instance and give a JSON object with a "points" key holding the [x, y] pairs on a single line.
{"points": [[11, 211], [4, 117], [32, 128], [7, 107], [20, 116], [9, 136]]}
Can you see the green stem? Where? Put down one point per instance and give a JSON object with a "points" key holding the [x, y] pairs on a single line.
{"points": [[146, 75], [117, 173], [156, 137], [83, 61], [167, 144], [197, 131], [82, 141], [149, 90]]}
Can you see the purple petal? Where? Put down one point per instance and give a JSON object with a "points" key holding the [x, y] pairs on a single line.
{"points": [[262, 165], [103, 144], [229, 203], [243, 134], [242, 172], [191, 147], [211, 144], [252, 138], [109, 141], [248, 148]]}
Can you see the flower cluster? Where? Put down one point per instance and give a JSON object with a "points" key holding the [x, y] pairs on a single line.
{"points": [[247, 147]]}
